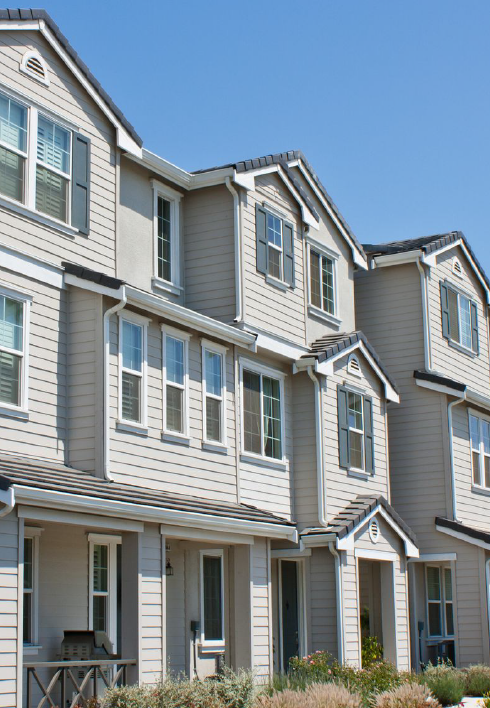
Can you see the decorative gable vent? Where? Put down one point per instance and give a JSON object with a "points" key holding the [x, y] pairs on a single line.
{"points": [[374, 531], [34, 66], [457, 268], [353, 366]]}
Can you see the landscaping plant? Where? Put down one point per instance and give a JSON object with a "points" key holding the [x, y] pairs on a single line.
{"points": [[408, 695], [477, 680], [446, 683], [317, 695]]}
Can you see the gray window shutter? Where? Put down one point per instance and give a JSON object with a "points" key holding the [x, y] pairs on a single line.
{"points": [[368, 434], [344, 452], [474, 328], [261, 231], [80, 206], [288, 248], [445, 311]]}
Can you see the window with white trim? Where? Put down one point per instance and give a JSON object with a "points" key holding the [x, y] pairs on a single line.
{"points": [[132, 356], [31, 587], [214, 392], [262, 396], [275, 245], [322, 282], [166, 237], [480, 450], [175, 381], [212, 598], [103, 579], [459, 318], [14, 337], [440, 611], [356, 435]]}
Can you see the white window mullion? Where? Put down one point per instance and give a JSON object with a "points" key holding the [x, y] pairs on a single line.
{"points": [[31, 162], [261, 399]]}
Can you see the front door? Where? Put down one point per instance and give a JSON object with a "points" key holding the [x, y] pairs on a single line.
{"points": [[289, 611]]}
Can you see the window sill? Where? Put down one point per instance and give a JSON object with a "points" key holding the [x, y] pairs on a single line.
{"points": [[12, 412], [29, 649], [359, 474], [135, 428], [484, 491], [206, 648], [263, 461], [165, 286], [279, 284], [215, 447], [322, 315], [462, 349], [176, 438], [63, 228]]}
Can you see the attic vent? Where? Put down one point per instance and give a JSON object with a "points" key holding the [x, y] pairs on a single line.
{"points": [[34, 66], [374, 531], [353, 366], [457, 268]]}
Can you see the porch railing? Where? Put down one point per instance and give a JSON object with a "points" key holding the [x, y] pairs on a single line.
{"points": [[66, 688]]}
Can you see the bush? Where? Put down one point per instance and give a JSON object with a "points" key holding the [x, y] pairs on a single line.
{"points": [[446, 683], [371, 651], [326, 695], [477, 680], [408, 695]]}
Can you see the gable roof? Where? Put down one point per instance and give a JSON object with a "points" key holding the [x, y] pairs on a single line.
{"points": [[28, 15], [466, 533], [282, 159]]}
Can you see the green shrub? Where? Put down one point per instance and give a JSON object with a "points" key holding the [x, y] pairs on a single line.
{"points": [[485, 702], [446, 683], [477, 680], [371, 651], [408, 695], [317, 695]]}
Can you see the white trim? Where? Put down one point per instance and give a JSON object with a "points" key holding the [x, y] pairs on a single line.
{"points": [[463, 537], [440, 388], [291, 552], [31, 266], [212, 553], [434, 558], [442, 602], [395, 259], [275, 344], [431, 260], [192, 534], [33, 513], [315, 310], [184, 338], [322, 248], [480, 419], [375, 555], [23, 405], [173, 198], [70, 279], [34, 535], [33, 54], [104, 538], [143, 322], [300, 610], [350, 366], [348, 541], [212, 347], [111, 593], [163, 286]]}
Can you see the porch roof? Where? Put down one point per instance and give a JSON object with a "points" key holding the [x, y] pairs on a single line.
{"points": [[25, 473], [466, 533]]}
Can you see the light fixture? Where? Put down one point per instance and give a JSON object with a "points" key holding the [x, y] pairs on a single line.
{"points": [[169, 569]]}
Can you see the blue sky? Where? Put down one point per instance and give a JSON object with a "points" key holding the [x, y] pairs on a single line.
{"points": [[388, 99]]}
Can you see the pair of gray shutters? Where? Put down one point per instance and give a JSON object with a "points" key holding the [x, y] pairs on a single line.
{"points": [[80, 198], [446, 316], [344, 432], [263, 246]]}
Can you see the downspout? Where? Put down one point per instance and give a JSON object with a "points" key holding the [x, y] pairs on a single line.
{"points": [[425, 317], [451, 453], [338, 588], [107, 422], [237, 239], [319, 448]]}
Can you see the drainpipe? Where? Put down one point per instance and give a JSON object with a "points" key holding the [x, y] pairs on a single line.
{"points": [[320, 467], [238, 251], [7, 497], [450, 407], [425, 317], [107, 417], [338, 588]]}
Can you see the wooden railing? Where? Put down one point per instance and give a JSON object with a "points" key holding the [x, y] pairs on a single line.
{"points": [[66, 689]]}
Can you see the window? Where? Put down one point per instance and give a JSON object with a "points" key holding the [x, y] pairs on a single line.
{"points": [[459, 318], [14, 310], [212, 598], [322, 288], [214, 392], [262, 413], [43, 165], [356, 446], [275, 246], [30, 585], [440, 618], [132, 333], [175, 380], [166, 229], [103, 572], [480, 450]]}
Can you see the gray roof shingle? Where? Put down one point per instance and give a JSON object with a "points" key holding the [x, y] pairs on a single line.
{"points": [[463, 529], [54, 477]]}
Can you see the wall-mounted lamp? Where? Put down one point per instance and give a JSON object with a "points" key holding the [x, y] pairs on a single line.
{"points": [[169, 569]]}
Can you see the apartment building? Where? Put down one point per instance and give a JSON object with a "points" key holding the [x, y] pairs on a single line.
{"points": [[424, 305], [194, 443]]}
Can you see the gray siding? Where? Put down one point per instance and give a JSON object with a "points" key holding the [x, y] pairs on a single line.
{"points": [[151, 606], [9, 614], [323, 601], [261, 612], [304, 438]]}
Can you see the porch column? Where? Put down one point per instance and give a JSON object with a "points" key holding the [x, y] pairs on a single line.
{"points": [[11, 551]]}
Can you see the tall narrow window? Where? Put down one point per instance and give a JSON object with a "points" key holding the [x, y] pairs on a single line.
{"points": [[213, 362], [322, 282], [12, 354], [356, 435], [356, 431], [439, 602], [100, 595], [459, 318], [274, 238], [28, 590], [262, 414], [448, 602], [105, 585], [133, 370], [164, 239], [175, 388], [212, 597], [480, 450], [13, 148], [53, 169]]}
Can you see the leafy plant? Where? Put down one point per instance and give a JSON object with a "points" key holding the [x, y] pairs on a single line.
{"points": [[371, 651], [485, 701], [408, 695], [477, 680], [446, 683]]}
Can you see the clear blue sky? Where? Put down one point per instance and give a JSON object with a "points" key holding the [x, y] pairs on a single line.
{"points": [[388, 99]]}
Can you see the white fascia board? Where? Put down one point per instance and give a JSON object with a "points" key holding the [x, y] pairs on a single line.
{"points": [[463, 537], [317, 539], [190, 318], [374, 554], [31, 266], [211, 178], [291, 553], [477, 399], [7, 501], [93, 287], [431, 260], [190, 534], [179, 176], [276, 345], [396, 259], [306, 214], [348, 542], [440, 388], [434, 558], [148, 513], [35, 513]]}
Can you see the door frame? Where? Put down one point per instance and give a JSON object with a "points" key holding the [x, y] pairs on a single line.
{"points": [[301, 580]]}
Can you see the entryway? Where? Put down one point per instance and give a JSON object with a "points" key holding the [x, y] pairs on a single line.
{"points": [[377, 604], [290, 603]]}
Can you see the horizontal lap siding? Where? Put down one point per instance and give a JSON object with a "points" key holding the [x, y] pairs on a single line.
{"points": [[152, 658], [261, 608], [304, 438], [323, 601], [176, 616], [473, 371], [43, 435], [66, 97], [9, 578]]}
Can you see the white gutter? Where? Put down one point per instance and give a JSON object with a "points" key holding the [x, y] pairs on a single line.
{"points": [[107, 422], [451, 453], [237, 240], [425, 316], [7, 498], [340, 604], [320, 467]]}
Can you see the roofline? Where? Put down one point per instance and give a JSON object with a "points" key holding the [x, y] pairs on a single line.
{"points": [[464, 533]]}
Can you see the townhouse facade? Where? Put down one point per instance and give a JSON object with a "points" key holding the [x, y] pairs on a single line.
{"points": [[424, 305]]}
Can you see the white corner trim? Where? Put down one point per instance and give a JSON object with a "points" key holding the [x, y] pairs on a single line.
{"points": [[434, 558], [463, 537], [31, 266]]}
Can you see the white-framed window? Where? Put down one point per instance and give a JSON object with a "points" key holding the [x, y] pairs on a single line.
{"points": [[274, 240], [166, 228], [459, 318], [322, 282], [212, 598], [262, 396], [275, 246], [30, 623], [175, 345], [480, 449], [103, 584], [440, 610], [132, 368], [14, 349], [356, 438], [214, 392]]}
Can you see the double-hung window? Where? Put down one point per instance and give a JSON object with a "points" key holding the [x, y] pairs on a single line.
{"points": [[14, 321], [132, 358], [440, 614], [214, 392], [480, 450], [212, 598], [459, 318], [322, 283], [166, 226], [44, 165], [356, 446], [103, 588], [175, 381], [275, 245], [262, 402]]}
